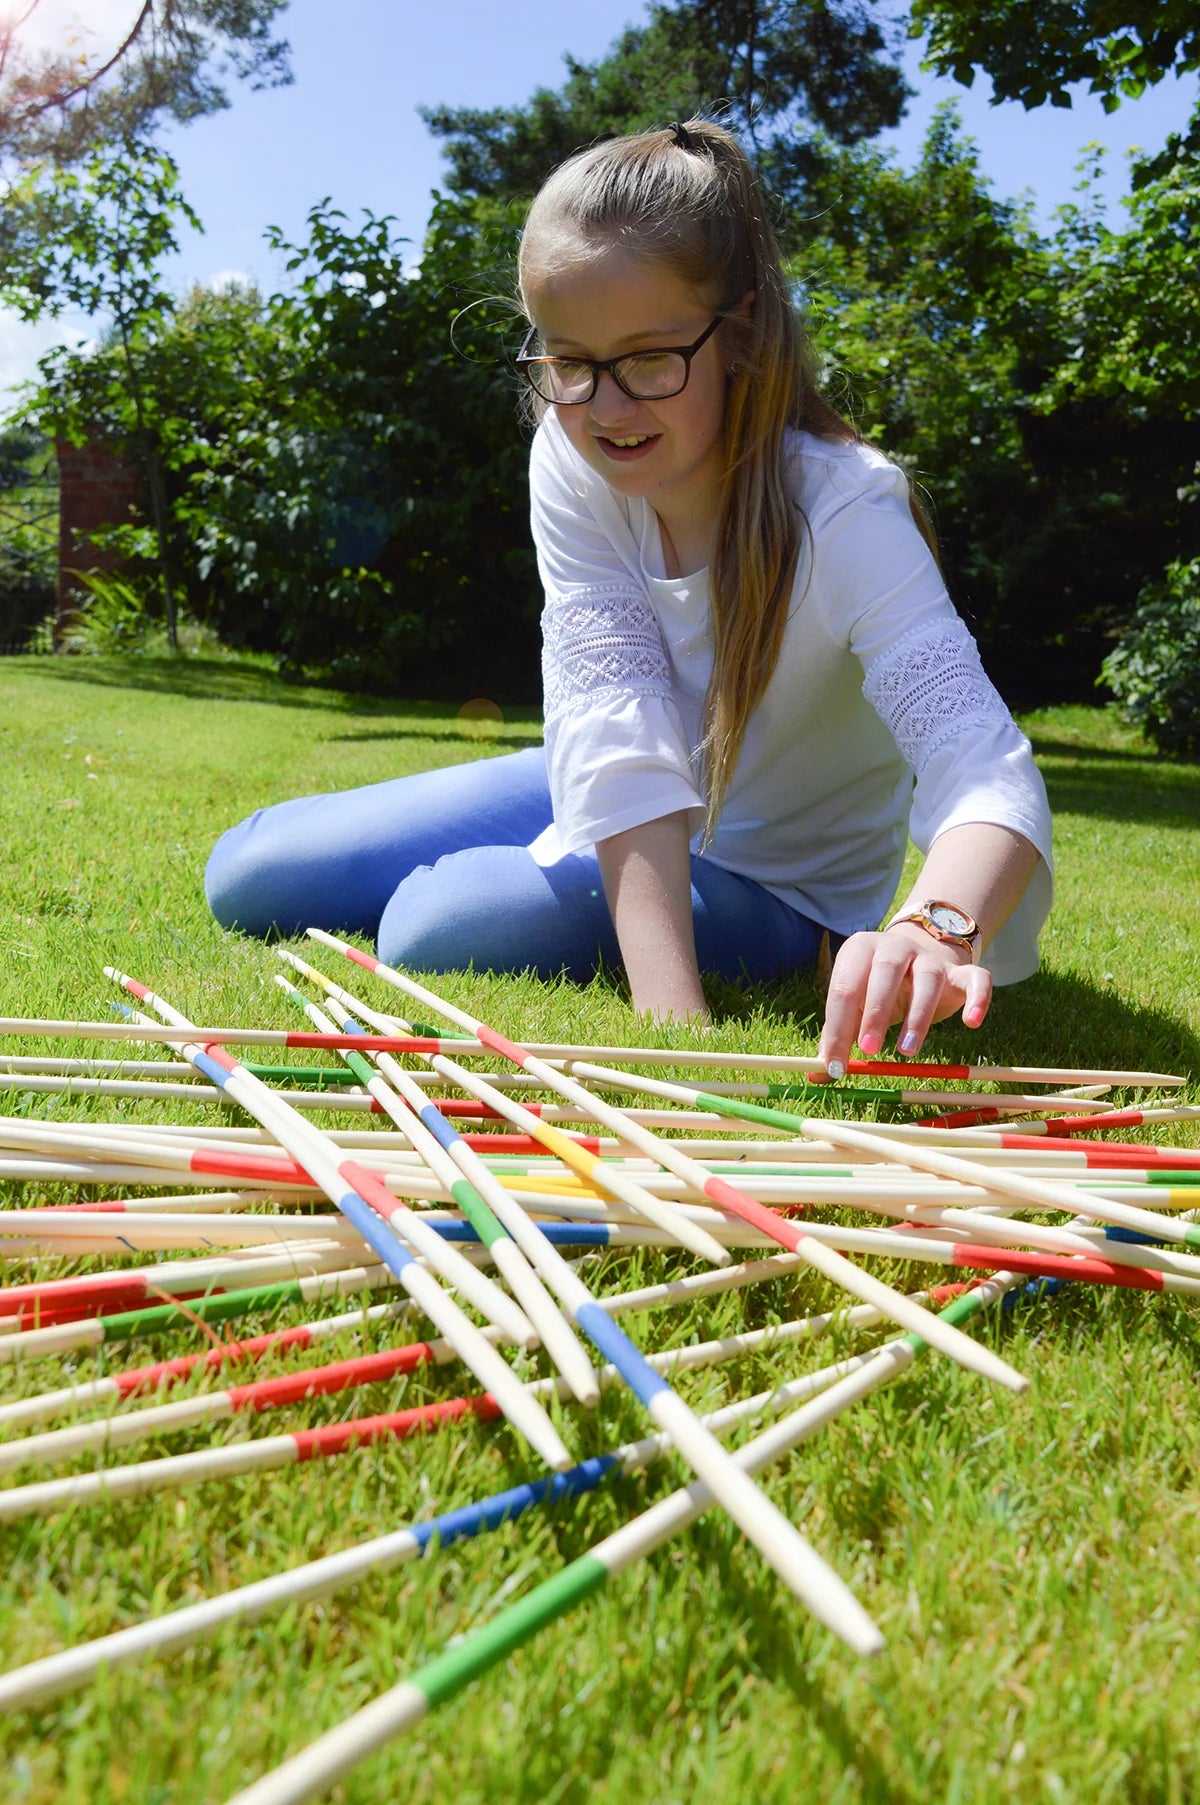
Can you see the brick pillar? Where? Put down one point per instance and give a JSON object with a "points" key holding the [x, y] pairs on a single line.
{"points": [[96, 487]]}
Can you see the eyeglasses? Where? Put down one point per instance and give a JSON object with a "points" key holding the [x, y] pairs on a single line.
{"points": [[643, 375]]}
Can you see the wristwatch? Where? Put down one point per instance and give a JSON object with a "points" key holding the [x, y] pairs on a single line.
{"points": [[947, 923]]}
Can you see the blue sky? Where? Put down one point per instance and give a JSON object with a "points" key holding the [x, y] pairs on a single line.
{"points": [[348, 127]]}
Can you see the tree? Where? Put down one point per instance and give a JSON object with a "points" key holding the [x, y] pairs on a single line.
{"points": [[167, 58], [1033, 52], [775, 69], [93, 241], [1043, 389], [344, 468]]}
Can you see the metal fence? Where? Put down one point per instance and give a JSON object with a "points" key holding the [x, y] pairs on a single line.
{"points": [[28, 557]]}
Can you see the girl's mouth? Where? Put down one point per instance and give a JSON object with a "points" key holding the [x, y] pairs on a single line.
{"points": [[629, 446]]}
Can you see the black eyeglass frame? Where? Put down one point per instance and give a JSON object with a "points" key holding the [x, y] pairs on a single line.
{"points": [[524, 361]]}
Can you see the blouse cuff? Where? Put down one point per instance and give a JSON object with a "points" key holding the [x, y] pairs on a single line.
{"points": [[618, 765]]}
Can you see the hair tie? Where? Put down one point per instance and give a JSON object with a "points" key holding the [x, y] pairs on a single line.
{"points": [[683, 138]]}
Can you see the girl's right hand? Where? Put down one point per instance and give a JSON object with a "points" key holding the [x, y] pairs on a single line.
{"points": [[901, 975]]}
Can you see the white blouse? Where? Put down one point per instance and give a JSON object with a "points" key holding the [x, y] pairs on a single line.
{"points": [[878, 683]]}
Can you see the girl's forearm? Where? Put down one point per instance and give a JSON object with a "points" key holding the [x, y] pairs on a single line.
{"points": [[647, 881], [978, 867]]}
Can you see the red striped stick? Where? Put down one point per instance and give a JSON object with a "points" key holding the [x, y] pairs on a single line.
{"points": [[276, 1037], [246, 1457], [114, 1388], [265, 1168], [934, 1330], [1132, 1154], [217, 1406]]}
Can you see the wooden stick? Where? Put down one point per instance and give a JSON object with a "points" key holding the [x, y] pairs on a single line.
{"points": [[53, 1675], [1041, 1193], [266, 1037], [781, 1545], [368, 1204], [333, 1755], [583, 1158], [58, 1446], [557, 1336], [942, 1335]]}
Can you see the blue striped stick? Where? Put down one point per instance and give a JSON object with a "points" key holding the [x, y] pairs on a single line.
{"points": [[333, 1755], [941, 1335], [53, 1675], [558, 1337], [782, 1545], [349, 1186]]}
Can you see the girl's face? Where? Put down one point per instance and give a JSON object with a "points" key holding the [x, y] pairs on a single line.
{"points": [[601, 304]]}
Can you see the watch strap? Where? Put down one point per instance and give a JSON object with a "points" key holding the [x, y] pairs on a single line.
{"points": [[971, 942]]}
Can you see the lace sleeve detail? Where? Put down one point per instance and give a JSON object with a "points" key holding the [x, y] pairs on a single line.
{"points": [[600, 640], [930, 686]]}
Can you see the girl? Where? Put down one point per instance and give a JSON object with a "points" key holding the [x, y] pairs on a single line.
{"points": [[748, 656]]}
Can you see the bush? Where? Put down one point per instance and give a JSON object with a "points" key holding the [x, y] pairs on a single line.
{"points": [[1154, 670], [119, 617]]}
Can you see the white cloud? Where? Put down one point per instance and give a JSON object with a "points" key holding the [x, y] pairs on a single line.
{"points": [[22, 344], [226, 280], [93, 30]]}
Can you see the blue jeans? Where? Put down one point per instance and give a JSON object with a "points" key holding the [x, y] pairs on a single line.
{"points": [[436, 869]]}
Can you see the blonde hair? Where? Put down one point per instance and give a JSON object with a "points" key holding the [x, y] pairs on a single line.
{"points": [[688, 197]]}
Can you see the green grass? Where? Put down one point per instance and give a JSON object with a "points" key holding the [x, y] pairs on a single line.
{"points": [[1035, 1564]]}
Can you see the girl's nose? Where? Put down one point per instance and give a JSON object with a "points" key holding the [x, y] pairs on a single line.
{"points": [[610, 404]]}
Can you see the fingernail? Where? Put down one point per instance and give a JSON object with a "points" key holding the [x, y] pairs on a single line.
{"points": [[973, 1017], [870, 1043], [835, 1068], [909, 1041]]}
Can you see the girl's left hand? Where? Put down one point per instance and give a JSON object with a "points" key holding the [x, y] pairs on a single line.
{"points": [[903, 975]]}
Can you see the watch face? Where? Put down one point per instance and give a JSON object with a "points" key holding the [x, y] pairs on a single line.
{"points": [[950, 921]]}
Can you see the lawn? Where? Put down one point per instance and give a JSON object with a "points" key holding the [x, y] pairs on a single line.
{"points": [[1034, 1563]]}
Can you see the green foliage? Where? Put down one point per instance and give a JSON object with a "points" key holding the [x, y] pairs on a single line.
{"points": [[1026, 382], [1032, 52], [113, 620], [120, 618], [93, 241], [343, 468], [775, 70], [336, 473], [364, 510], [1154, 671]]}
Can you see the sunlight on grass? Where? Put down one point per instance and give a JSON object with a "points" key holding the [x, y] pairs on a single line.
{"points": [[1035, 1564]]}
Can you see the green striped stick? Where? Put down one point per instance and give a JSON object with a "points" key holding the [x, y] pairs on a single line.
{"points": [[314, 1769], [557, 1336]]}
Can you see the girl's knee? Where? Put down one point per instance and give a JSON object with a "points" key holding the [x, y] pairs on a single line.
{"points": [[235, 885], [494, 908], [442, 916]]}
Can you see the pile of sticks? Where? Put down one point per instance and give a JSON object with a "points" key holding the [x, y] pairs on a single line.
{"points": [[457, 1198]]}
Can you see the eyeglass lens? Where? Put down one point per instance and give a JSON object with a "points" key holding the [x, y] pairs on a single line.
{"points": [[646, 376]]}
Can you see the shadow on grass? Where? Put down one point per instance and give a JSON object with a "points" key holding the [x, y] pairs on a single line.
{"points": [[1078, 752], [509, 741], [1054, 1018], [232, 680], [1120, 786], [771, 1635]]}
